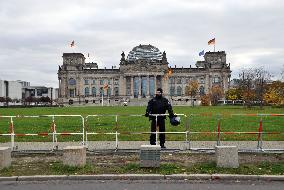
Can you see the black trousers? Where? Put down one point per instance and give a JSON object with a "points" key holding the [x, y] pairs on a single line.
{"points": [[160, 128]]}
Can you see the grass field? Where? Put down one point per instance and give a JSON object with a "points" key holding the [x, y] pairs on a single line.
{"points": [[200, 119]]}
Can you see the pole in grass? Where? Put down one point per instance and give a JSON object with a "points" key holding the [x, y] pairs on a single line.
{"points": [[219, 131], [259, 137]]}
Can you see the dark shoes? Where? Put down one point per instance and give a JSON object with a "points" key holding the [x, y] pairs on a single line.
{"points": [[162, 145]]}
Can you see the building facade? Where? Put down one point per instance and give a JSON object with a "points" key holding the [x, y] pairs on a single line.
{"points": [[11, 89], [139, 74]]}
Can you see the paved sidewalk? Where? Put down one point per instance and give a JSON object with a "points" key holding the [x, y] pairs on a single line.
{"points": [[103, 145]]}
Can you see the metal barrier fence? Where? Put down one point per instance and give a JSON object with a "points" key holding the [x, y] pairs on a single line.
{"points": [[117, 126], [216, 127], [246, 121], [51, 130]]}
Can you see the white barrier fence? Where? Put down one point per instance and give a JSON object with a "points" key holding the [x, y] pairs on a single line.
{"points": [[114, 127], [116, 133], [53, 128]]}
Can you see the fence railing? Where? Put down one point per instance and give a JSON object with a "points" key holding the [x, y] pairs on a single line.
{"points": [[117, 133], [48, 131], [258, 123], [217, 126]]}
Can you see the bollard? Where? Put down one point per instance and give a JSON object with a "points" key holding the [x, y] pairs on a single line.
{"points": [[74, 156], [227, 156], [150, 156], [5, 157]]}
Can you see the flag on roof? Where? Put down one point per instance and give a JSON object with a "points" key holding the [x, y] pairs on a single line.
{"points": [[201, 53], [72, 44], [211, 42]]}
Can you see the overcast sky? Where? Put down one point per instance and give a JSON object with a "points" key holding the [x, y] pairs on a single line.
{"points": [[35, 33]]}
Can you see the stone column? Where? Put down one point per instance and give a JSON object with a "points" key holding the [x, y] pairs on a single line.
{"points": [[207, 83], [165, 86], [225, 82], [139, 87], [132, 86], [60, 88], [122, 86], [65, 87]]}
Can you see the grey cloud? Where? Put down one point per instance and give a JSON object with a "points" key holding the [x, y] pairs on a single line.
{"points": [[34, 34]]}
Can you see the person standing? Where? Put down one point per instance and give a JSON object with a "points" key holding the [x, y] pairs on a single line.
{"points": [[158, 105]]}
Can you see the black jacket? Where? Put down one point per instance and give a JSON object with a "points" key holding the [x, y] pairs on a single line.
{"points": [[159, 106]]}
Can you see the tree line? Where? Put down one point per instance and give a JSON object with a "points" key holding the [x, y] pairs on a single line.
{"points": [[26, 101], [253, 87]]}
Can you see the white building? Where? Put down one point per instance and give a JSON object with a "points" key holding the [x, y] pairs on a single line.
{"points": [[11, 89]]}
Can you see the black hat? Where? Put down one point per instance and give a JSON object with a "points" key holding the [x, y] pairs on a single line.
{"points": [[160, 89], [175, 121]]}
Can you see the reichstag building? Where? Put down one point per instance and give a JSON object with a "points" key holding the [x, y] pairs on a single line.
{"points": [[143, 70]]}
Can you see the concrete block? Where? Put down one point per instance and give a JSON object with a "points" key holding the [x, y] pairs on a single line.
{"points": [[150, 156], [74, 156], [227, 156], [5, 157]]}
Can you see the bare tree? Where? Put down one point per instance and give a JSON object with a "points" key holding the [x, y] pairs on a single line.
{"points": [[261, 78], [252, 85], [246, 85]]}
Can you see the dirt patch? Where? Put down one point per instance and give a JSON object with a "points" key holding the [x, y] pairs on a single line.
{"points": [[177, 158]]}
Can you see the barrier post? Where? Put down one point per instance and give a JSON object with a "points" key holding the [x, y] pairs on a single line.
{"points": [[259, 137], [87, 128], [83, 130], [218, 134], [157, 128], [116, 134], [54, 137], [187, 127], [12, 132]]}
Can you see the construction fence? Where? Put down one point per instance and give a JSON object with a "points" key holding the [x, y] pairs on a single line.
{"points": [[117, 127]]}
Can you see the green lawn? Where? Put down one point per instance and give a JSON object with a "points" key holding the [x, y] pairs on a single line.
{"points": [[199, 119]]}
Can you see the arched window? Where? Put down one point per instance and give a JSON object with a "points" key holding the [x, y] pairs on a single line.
{"points": [[179, 91], [94, 91], [72, 81], [87, 91]]}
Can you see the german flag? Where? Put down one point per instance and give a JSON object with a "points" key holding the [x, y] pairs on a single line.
{"points": [[211, 42]]}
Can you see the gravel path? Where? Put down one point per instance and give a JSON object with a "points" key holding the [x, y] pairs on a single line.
{"points": [[99, 145]]}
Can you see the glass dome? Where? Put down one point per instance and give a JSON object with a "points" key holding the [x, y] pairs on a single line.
{"points": [[145, 52]]}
